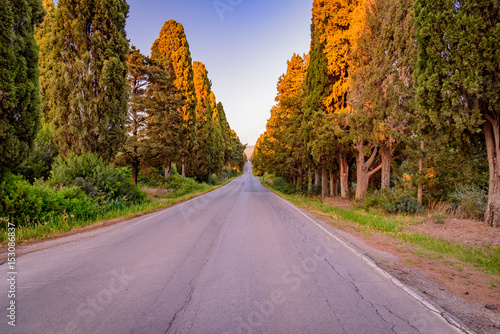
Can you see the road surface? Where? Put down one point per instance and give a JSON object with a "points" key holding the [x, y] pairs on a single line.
{"points": [[237, 260]]}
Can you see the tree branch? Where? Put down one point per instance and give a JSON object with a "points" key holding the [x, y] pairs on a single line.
{"points": [[372, 158], [375, 170]]}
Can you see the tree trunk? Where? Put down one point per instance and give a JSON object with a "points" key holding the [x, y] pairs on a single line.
{"points": [[184, 169], [310, 182], [294, 180], [300, 178], [420, 190], [386, 153], [344, 175], [324, 183], [135, 171], [363, 171], [317, 179], [491, 131], [333, 185], [167, 171]]}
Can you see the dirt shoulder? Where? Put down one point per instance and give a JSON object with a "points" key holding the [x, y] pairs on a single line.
{"points": [[459, 288]]}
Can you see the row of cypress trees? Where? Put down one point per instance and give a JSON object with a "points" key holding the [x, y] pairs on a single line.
{"points": [[91, 94], [406, 84]]}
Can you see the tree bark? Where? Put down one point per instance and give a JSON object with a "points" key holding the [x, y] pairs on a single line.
{"points": [[135, 171], [386, 153], [310, 182], [324, 183], [184, 169], [167, 171], [491, 130], [317, 179], [420, 190], [344, 175], [333, 185], [300, 178], [363, 171]]}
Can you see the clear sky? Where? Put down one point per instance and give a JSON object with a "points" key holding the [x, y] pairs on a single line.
{"points": [[243, 43]]}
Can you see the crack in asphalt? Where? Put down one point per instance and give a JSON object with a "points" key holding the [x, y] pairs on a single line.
{"points": [[181, 309], [213, 245], [352, 282], [285, 218]]}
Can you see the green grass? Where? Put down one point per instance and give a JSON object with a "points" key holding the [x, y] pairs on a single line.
{"points": [[485, 258], [58, 227]]}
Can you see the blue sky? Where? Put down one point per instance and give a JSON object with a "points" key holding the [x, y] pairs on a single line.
{"points": [[243, 43]]}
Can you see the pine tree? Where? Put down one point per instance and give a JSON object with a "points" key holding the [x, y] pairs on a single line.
{"points": [[458, 78], [88, 88], [19, 88], [172, 50]]}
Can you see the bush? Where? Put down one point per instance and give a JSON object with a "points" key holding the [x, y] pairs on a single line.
{"points": [[395, 200], [469, 201], [213, 180], [27, 205], [181, 186], [228, 172], [99, 181], [282, 186]]}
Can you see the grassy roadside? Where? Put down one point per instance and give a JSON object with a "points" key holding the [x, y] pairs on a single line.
{"points": [[59, 227], [485, 259]]}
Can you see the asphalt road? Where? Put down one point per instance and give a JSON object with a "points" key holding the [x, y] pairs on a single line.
{"points": [[237, 260]]}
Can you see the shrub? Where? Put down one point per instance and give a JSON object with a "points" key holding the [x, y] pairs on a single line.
{"points": [[282, 186], [181, 185], [98, 180], [228, 172], [396, 200], [213, 180], [27, 205], [469, 201]]}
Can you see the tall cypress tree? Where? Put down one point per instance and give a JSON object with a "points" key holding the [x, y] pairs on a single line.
{"points": [[382, 86], [335, 25], [171, 49], [210, 140], [164, 104], [458, 78], [44, 35], [19, 88], [88, 88], [283, 135]]}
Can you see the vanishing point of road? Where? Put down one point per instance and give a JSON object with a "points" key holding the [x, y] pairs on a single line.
{"points": [[237, 260]]}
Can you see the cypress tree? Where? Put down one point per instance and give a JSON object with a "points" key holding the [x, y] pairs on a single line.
{"points": [[283, 129], [335, 25], [458, 78], [44, 35], [88, 88], [19, 88], [164, 105], [171, 49], [203, 165], [382, 85]]}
